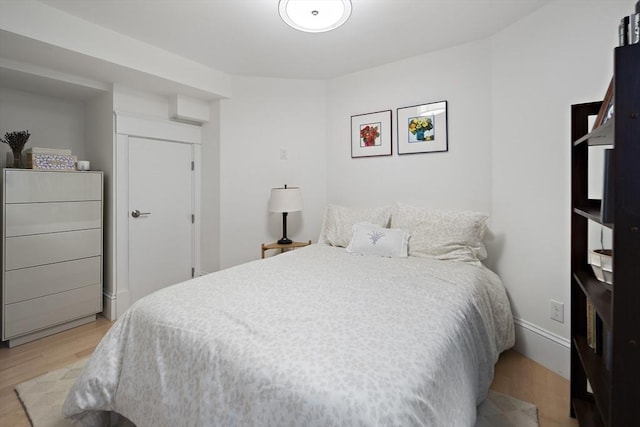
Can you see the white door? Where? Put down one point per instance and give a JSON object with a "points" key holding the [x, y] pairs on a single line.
{"points": [[161, 229]]}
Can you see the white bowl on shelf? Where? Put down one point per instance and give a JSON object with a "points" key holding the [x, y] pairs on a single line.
{"points": [[601, 261]]}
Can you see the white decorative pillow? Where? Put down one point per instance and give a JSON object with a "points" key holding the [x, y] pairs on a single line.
{"points": [[369, 239], [455, 236], [337, 226]]}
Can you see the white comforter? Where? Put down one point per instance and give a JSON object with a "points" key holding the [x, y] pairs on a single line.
{"points": [[313, 337]]}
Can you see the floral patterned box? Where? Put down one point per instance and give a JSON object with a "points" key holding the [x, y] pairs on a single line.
{"points": [[50, 161]]}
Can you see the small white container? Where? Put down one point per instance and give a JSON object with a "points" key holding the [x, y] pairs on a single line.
{"points": [[83, 165], [601, 261]]}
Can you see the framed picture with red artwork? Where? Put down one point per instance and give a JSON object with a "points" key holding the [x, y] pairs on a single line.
{"points": [[371, 134]]}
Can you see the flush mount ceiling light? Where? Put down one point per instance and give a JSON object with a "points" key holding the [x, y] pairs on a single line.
{"points": [[315, 16]]}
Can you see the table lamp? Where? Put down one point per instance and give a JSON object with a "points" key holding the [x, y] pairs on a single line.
{"points": [[285, 200]]}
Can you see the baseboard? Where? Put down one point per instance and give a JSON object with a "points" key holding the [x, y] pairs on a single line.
{"points": [[544, 347], [114, 306], [108, 306]]}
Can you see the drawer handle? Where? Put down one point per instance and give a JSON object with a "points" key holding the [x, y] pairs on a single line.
{"points": [[137, 213]]}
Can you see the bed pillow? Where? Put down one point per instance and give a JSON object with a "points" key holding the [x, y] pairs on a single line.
{"points": [[407, 216], [455, 236], [338, 222], [370, 239]]}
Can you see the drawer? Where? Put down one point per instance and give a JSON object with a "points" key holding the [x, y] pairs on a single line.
{"points": [[35, 218], [30, 251], [39, 313], [34, 282], [24, 186]]}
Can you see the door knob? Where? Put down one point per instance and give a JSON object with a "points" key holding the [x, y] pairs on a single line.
{"points": [[137, 213]]}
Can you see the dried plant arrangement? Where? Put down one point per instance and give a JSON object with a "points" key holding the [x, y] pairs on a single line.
{"points": [[17, 141]]}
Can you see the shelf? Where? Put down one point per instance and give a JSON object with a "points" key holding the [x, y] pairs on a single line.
{"points": [[596, 373], [597, 292], [592, 212], [586, 413], [593, 215], [603, 135]]}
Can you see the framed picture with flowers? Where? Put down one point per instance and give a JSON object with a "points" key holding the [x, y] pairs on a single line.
{"points": [[422, 128], [371, 134]]}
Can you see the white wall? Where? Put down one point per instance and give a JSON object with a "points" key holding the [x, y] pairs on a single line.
{"points": [[264, 116], [210, 212], [457, 179], [126, 99], [100, 149], [52, 122], [560, 55]]}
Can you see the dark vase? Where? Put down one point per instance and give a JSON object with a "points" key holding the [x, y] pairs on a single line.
{"points": [[17, 158]]}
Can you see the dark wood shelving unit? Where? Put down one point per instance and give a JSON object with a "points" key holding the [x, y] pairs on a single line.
{"points": [[599, 293], [612, 370], [587, 413], [597, 374]]}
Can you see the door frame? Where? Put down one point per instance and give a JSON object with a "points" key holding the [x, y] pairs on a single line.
{"points": [[127, 125]]}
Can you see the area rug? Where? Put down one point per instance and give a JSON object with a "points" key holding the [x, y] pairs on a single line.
{"points": [[42, 399]]}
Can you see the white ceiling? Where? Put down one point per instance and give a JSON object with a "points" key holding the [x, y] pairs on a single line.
{"points": [[247, 37]]}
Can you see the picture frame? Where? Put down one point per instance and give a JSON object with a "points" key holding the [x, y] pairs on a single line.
{"points": [[606, 109], [371, 134], [422, 128]]}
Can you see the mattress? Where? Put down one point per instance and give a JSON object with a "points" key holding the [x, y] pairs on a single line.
{"points": [[312, 337]]}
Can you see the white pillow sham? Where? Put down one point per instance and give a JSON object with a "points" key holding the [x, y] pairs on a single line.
{"points": [[455, 236], [338, 222], [370, 239]]}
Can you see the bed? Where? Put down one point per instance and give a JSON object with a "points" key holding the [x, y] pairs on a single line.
{"points": [[318, 336]]}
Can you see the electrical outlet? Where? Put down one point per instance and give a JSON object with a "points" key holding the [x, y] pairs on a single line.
{"points": [[284, 154], [556, 311]]}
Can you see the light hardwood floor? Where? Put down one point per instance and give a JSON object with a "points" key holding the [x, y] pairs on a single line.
{"points": [[515, 375], [527, 380]]}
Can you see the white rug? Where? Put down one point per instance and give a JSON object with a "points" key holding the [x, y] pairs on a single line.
{"points": [[42, 399], [500, 410]]}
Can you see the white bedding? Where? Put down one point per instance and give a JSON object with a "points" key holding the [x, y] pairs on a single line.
{"points": [[313, 337]]}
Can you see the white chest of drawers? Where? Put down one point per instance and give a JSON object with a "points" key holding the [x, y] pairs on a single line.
{"points": [[51, 252]]}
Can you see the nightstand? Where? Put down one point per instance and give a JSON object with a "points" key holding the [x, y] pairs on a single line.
{"points": [[283, 248]]}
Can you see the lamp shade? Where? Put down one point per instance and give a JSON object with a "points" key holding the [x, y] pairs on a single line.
{"points": [[287, 199]]}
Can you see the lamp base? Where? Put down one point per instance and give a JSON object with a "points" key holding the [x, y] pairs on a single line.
{"points": [[285, 241]]}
